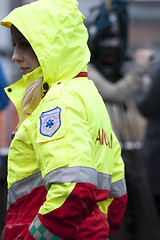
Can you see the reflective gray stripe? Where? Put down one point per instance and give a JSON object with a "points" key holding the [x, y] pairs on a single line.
{"points": [[24, 187], [63, 175], [104, 181], [79, 174], [118, 189]]}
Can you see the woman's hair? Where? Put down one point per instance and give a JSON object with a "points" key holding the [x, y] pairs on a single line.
{"points": [[31, 99]]}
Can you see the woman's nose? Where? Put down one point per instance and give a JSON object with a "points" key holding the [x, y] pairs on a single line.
{"points": [[17, 56]]}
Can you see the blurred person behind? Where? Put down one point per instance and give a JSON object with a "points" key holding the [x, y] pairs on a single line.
{"points": [[3, 96], [116, 74], [107, 25], [147, 101]]}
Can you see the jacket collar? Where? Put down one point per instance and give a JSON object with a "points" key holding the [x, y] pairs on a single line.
{"points": [[16, 90]]}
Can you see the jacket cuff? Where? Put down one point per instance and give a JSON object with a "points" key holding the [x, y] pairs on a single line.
{"points": [[115, 213], [38, 231]]}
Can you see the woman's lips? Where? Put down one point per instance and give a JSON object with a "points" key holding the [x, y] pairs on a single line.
{"points": [[25, 70]]}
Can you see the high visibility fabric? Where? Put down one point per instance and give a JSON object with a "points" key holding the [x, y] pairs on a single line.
{"points": [[61, 45], [64, 160]]}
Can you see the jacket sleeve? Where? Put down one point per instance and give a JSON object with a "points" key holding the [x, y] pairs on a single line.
{"points": [[122, 90], [70, 196], [63, 222], [118, 191]]}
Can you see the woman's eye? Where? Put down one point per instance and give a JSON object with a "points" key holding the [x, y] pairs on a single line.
{"points": [[25, 45]]}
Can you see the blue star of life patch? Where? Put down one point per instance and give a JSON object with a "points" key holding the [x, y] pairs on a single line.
{"points": [[50, 122]]}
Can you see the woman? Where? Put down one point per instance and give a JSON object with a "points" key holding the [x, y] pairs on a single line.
{"points": [[64, 163]]}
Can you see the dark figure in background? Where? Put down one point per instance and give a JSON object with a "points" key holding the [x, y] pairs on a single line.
{"points": [[107, 27], [3, 96], [3, 84], [148, 103]]}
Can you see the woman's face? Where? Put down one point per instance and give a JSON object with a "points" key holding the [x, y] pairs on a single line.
{"points": [[23, 53]]}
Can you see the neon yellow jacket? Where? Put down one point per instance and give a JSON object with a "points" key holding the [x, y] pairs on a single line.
{"points": [[64, 164]]}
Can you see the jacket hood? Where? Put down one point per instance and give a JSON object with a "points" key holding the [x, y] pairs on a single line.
{"points": [[56, 33]]}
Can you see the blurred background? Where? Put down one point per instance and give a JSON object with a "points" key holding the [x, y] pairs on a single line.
{"points": [[139, 27]]}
